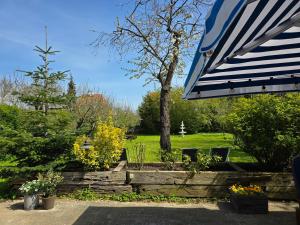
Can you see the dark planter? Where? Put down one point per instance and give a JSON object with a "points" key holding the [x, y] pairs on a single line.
{"points": [[191, 152], [249, 204], [123, 155], [221, 152], [48, 203]]}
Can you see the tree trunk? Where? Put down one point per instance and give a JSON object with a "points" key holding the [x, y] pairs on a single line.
{"points": [[165, 141]]}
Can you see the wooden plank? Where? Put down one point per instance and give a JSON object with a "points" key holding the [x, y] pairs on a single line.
{"points": [[207, 178], [121, 165], [185, 191], [246, 180], [102, 178], [281, 179], [281, 193], [236, 167]]}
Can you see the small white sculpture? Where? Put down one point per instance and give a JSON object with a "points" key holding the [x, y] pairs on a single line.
{"points": [[182, 129]]}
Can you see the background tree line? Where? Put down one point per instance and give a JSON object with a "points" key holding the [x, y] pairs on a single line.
{"points": [[198, 116]]}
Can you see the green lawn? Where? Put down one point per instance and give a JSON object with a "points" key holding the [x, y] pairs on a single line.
{"points": [[203, 141]]}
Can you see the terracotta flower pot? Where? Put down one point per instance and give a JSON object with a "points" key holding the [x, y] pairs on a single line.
{"points": [[48, 203]]}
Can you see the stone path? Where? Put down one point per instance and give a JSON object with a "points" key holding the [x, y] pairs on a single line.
{"points": [[69, 212]]}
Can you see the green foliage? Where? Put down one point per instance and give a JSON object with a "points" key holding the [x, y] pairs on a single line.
{"points": [[149, 113], [170, 158], [85, 194], [89, 195], [6, 192], [139, 151], [10, 116], [27, 172], [198, 116], [267, 127], [44, 90], [106, 146], [71, 94], [35, 138], [203, 163], [48, 182], [30, 187]]}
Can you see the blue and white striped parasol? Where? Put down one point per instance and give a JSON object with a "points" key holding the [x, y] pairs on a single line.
{"points": [[248, 47]]}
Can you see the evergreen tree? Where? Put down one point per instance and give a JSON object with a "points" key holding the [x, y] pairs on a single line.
{"points": [[71, 93], [44, 89], [71, 87]]}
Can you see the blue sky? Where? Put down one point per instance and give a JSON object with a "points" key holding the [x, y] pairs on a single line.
{"points": [[69, 25]]}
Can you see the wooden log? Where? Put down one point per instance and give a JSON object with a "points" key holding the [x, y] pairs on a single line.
{"points": [[236, 167], [281, 180], [101, 178], [207, 178], [121, 166], [281, 193], [185, 191]]}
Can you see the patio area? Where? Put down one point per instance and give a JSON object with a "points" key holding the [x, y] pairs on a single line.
{"points": [[70, 212]]}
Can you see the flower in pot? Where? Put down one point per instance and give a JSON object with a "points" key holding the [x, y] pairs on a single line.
{"points": [[30, 190], [248, 199], [48, 184]]}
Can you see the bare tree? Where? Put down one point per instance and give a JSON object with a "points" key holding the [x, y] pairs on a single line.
{"points": [[6, 87], [92, 106], [9, 85], [161, 34], [89, 109]]}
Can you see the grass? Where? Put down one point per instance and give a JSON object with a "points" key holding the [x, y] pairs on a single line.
{"points": [[202, 141]]}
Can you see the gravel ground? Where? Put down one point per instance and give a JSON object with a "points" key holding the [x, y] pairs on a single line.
{"points": [[71, 212]]}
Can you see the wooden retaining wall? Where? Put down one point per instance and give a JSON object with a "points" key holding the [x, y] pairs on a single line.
{"points": [[209, 184], [278, 186], [106, 182]]}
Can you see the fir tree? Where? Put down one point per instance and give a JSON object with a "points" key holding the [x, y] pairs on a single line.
{"points": [[44, 89], [71, 93], [71, 87]]}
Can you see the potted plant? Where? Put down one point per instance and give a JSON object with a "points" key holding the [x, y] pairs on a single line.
{"points": [[30, 190], [248, 199], [48, 184]]}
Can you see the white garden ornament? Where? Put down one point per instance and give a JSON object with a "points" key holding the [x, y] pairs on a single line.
{"points": [[182, 129]]}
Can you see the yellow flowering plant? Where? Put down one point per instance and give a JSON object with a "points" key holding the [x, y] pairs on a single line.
{"points": [[89, 157], [246, 190], [105, 146]]}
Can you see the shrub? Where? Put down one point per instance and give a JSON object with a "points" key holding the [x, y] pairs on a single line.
{"points": [[170, 158], [89, 157], [203, 162], [267, 127], [106, 146], [30, 187], [48, 182], [37, 139]]}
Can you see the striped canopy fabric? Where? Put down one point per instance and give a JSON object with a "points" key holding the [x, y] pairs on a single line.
{"points": [[248, 47]]}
